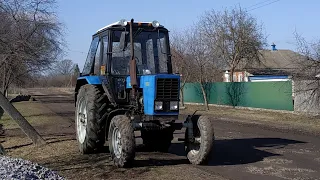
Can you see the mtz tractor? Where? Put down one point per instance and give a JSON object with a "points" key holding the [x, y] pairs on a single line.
{"points": [[127, 85]]}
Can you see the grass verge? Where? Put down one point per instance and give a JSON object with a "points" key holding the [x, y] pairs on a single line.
{"points": [[287, 119], [34, 112]]}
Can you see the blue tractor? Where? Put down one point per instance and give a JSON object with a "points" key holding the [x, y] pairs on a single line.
{"points": [[127, 85]]}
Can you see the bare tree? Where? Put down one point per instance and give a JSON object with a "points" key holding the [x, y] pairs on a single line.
{"points": [[307, 76], [30, 38], [64, 67], [234, 37], [63, 73], [180, 60], [201, 62]]}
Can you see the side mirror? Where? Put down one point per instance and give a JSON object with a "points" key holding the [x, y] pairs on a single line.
{"points": [[80, 74], [123, 41]]}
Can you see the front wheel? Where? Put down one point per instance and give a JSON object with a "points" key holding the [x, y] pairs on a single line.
{"points": [[198, 152], [121, 141]]}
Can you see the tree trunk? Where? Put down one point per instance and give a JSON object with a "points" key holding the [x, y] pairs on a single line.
{"points": [[181, 97], [204, 97], [231, 75], [21, 121], [6, 93], [182, 93], [2, 150], [1, 112]]}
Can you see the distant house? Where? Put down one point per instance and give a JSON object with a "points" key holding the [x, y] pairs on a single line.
{"points": [[275, 65]]}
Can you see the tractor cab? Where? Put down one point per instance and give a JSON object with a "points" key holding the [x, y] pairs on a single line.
{"points": [[109, 60]]}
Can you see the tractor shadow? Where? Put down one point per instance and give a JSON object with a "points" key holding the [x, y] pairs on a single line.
{"points": [[226, 152]]}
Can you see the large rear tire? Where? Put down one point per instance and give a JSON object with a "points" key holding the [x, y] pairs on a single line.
{"points": [[121, 141], [157, 140], [199, 152], [91, 113]]}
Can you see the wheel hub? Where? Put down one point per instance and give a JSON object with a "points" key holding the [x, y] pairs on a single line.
{"points": [[116, 142], [82, 120], [195, 146]]}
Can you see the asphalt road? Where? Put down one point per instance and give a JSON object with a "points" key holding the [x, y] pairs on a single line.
{"points": [[242, 151]]}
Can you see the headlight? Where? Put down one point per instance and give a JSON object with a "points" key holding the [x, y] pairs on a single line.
{"points": [[155, 24], [173, 105], [123, 22], [158, 105]]}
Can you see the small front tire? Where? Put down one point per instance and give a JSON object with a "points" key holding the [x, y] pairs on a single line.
{"points": [[199, 152], [121, 141]]}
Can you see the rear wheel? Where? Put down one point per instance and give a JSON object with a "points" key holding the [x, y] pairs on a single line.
{"points": [[121, 141], [157, 140], [198, 152], [90, 119]]}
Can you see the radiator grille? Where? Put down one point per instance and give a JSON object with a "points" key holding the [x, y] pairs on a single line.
{"points": [[167, 89]]}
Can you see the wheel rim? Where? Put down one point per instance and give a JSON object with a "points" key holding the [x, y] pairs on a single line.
{"points": [[116, 142], [194, 147], [82, 120]]}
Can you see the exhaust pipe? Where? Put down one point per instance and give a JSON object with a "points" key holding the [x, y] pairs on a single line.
{"points": [[133, 67]]}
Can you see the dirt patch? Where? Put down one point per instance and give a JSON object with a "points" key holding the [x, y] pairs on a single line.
{"points": [[61, 153], [278, 161], [279, 171]]}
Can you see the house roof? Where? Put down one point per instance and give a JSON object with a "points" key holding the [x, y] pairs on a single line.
{"points": [[281, 59], [279, 62]]}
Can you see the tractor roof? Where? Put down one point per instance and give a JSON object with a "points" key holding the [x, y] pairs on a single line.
{"points": [[119, 24]]}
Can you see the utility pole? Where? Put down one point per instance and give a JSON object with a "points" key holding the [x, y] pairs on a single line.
{"points": [[21, 121]]}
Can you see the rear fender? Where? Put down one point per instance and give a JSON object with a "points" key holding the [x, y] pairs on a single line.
{"points": [[94, 80]]}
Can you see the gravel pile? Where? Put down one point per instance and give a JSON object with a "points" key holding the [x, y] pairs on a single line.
{"points": [[13, 168]]}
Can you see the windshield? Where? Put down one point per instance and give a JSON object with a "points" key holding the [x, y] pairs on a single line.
{"points": [[150, 50]]}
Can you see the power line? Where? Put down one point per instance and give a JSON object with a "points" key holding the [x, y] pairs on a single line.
{"points": [[258, 4], [77, 51], [262, 5]]}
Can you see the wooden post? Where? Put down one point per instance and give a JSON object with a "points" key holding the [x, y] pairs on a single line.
{"points": [[21, 121], [2, 150]]}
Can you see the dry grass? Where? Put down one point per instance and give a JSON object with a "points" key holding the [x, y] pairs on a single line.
{"points": [[306, 122], [34, 112]]}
